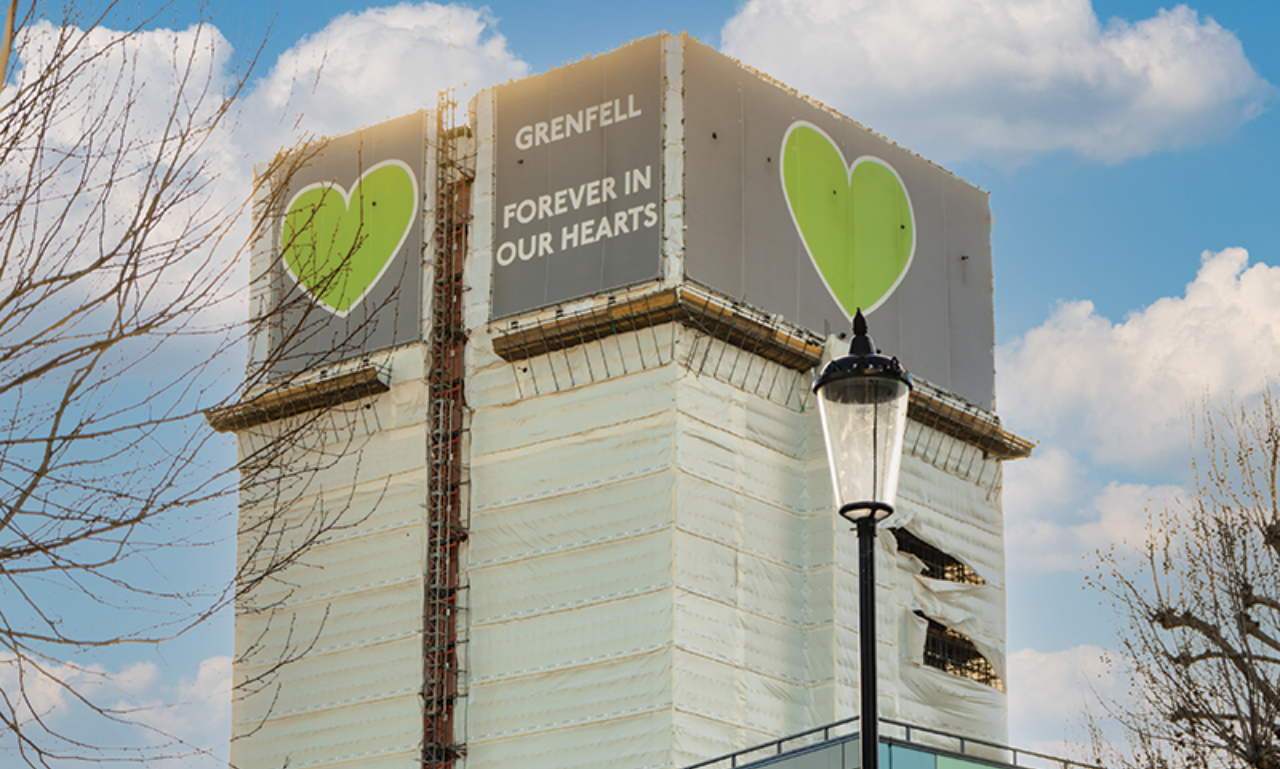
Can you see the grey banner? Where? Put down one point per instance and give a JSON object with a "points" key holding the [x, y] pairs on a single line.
{"points": [[744, 237], [356, 286], [578, 180]]}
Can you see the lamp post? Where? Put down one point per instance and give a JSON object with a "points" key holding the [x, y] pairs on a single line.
{"points": [[862, 400]]}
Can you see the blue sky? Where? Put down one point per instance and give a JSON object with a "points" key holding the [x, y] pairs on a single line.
{"points": [[1131, 151]]}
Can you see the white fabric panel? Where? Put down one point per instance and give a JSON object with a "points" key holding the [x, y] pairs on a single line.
{"points": [[758, 420], [639, 741], [353, 565], [341, 465], [739, 579], [381, 504], [570, 579], [716, 631], [390, 730], [493, 382], [707, 628], [846, 582], [725, 516], [576, 462], [588, 517], [952, 703], [820, 591], [356, 619], [594, 361], [775, 649], [570, 412], [738, 463], [912, 629], [478, 274], [353, 602], [737, 695], [591, 634], [404, 405], [587, 694], [673, 160], [320, 682], [709, 357], [697, 738]]}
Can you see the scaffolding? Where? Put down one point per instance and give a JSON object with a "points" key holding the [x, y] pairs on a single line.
{"points": [[446, 519]]}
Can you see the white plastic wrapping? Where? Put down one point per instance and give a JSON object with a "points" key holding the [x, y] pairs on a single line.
{"points": [[346, 616]]}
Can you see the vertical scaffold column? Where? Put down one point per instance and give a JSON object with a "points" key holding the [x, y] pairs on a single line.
{"points": [[446, 522]]}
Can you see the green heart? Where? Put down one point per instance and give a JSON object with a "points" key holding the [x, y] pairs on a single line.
{"points": [[856, 221], [337, 246]]}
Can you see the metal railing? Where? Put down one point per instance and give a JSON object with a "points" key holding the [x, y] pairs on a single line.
{"points": [[841, 731]]}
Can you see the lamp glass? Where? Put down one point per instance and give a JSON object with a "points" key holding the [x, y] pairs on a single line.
{"points": [[864, 421]]}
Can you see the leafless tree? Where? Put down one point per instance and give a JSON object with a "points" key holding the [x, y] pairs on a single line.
{"points": [[119, 328], [1200, 607]]}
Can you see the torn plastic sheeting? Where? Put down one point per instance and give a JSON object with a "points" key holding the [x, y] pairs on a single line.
{"points": [[738, 463], [972, 530], [913, 634], [942, 701], [886, 551], [974, 611], [760, 421], [559, 415], [561, 698], [565, 639], [570, 579], [723, 515], [329, 736], [979, 551], [592, 516], [581, 461], [623, 742], [317, 683], [739, 696], [325, 627]]}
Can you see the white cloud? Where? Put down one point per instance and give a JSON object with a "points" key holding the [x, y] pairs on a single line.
{"points": [[169, 724], [959, 79], [1118, 392], [1050, 691], [1051, 480], [193, 716], [379, 63], [1047, 540]]}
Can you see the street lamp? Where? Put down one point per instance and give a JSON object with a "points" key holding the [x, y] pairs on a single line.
{"points": [[862, 400]]}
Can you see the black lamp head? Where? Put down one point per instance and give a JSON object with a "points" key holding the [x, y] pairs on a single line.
{"points": [[863, 360]]}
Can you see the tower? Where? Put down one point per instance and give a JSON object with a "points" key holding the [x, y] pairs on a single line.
{"points": [[559, 463]]}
